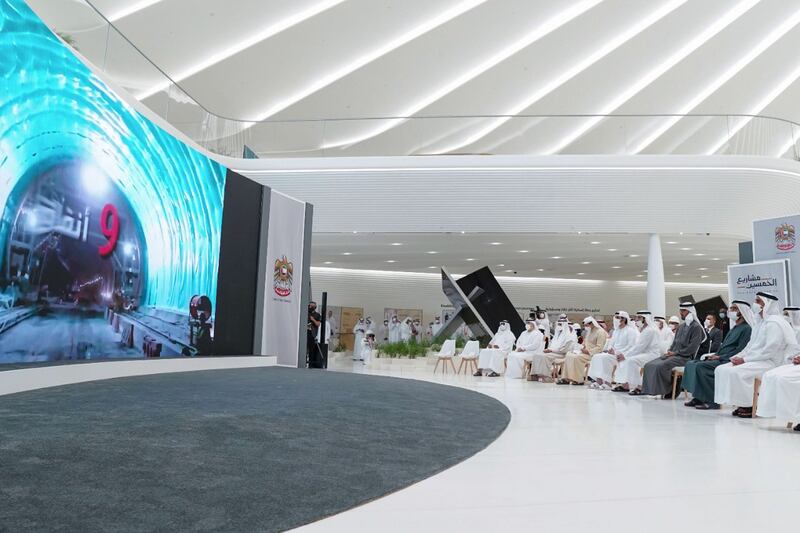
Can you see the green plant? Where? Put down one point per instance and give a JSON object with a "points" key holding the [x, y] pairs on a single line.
{"points": [[461, 342], [67, 38], [436, 347], [339, 347]]}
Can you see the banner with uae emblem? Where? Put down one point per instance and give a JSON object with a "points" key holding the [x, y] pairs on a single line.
{"points": [[284, 279], [776, 238], [745, 281]]}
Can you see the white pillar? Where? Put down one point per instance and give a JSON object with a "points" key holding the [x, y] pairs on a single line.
{"points": [[656, 291]]}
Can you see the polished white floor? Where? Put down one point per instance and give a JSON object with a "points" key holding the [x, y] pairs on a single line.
{"points": [[575, 459]]}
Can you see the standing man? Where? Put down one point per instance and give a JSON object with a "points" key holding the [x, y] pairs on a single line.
{"points": [[594, 340], [658, 373], [698, 375], [722, 322], [383, 332], [394, 329], [313, 355], [493, 357], [359, 331], [773, 342]]}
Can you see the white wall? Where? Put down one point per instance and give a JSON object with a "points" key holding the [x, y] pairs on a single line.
{"points": [[375, 290]]}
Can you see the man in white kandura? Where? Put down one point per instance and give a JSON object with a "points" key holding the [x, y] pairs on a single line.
{"points": [[359, 330], [564, 340], [779, 396], [405, 329], [529, 342], [543, 323], [665, 332], [594, 341], [622, 341], [437, 326], [394, 329], [648, 346], [772, 342], [493, 357]]}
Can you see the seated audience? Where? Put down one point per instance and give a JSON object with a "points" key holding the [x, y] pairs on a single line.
{"points": [[772, 342], [623, 339], [564, 340], [594, 340], [657, 379], [647, 348], [713, 336], [698, 375], [529, 342], [493, 357]]}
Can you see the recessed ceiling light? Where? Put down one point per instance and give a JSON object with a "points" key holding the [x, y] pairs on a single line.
{"points": [[680, 265], [677, 274], [672, 242], [432, 252], [463, 232], [724, 272], [433, 267], [612, 249], [495, 243], [681, 233], [633, 255], [391, 261], [509, 271], [586, 262], [556, 257], [397, 244], [355, 232], [328, 262], [470, 259], [523, 251], [347, 253], [715, 258], [540, 269], [501, 265], [703, 277], [616, 267], [639, 275], [595, 242], [685, 249], [698, 255], [581, 273], [702, 268]]}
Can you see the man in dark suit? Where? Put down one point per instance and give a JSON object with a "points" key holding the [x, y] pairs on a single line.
{"points": [[713, 336]]}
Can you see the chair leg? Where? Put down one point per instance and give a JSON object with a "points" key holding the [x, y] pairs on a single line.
{"points": [[460, 366], [474, 365], [452, 365], [674, 384], [756, 388], [437, 365]]}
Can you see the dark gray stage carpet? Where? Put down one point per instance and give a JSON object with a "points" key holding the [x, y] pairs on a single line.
{"points": [[262, 449]]}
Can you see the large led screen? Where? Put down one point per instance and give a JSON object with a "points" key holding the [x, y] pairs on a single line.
{"points": [[110, 228]]}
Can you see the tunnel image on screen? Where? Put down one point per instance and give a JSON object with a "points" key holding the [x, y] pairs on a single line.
{"points": [[110, 227]]}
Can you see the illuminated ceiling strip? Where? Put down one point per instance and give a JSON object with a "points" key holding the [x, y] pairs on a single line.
{"points": [[741, 122], [554, 84], [720, 24], [263, 35], [430, 24], [131, 9], [734, 69], [541, 31]]}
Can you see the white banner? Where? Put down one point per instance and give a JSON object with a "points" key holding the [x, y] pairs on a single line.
{"points": [[776, 238], [744, 281], [284, 278]]}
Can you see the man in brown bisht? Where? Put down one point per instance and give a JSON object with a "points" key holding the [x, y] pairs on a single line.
{"points": [[594, 339]]}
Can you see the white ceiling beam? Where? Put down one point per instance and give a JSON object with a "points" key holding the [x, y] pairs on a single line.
{"points": [[771, 38]]}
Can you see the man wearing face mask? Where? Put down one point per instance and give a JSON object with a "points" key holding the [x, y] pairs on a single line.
{"points": [[530, 341], [543, 323], [359, 330], [647, 348], [564, 340], [657, 379], [405, 329], [493, 357], [623, 339], [698, 375], [713, 336], [773, 342], [394, 329], [594, 340], [779, 396], [383, 332]]}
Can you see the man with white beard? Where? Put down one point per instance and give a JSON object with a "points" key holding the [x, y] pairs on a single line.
{"points": [[773, 341], [564, 340], [529, 342], [647, 347], [622, 342], [493, 357], [657, 378], [359, 330], [394, 329]]}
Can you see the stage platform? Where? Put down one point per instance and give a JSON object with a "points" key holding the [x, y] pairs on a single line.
{"points": [[247, 449]]}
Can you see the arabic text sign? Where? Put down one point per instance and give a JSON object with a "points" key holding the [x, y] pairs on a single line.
{"points": [[744, 281]]}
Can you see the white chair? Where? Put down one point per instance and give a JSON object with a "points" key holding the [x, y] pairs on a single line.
{"points": [[469, 355], [446, 354]]}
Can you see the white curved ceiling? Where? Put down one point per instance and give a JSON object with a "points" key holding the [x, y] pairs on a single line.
{"points": [[346, 59]]}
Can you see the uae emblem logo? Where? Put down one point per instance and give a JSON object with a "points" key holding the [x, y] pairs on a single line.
{"points": [[282, 277], [784, 237]]}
